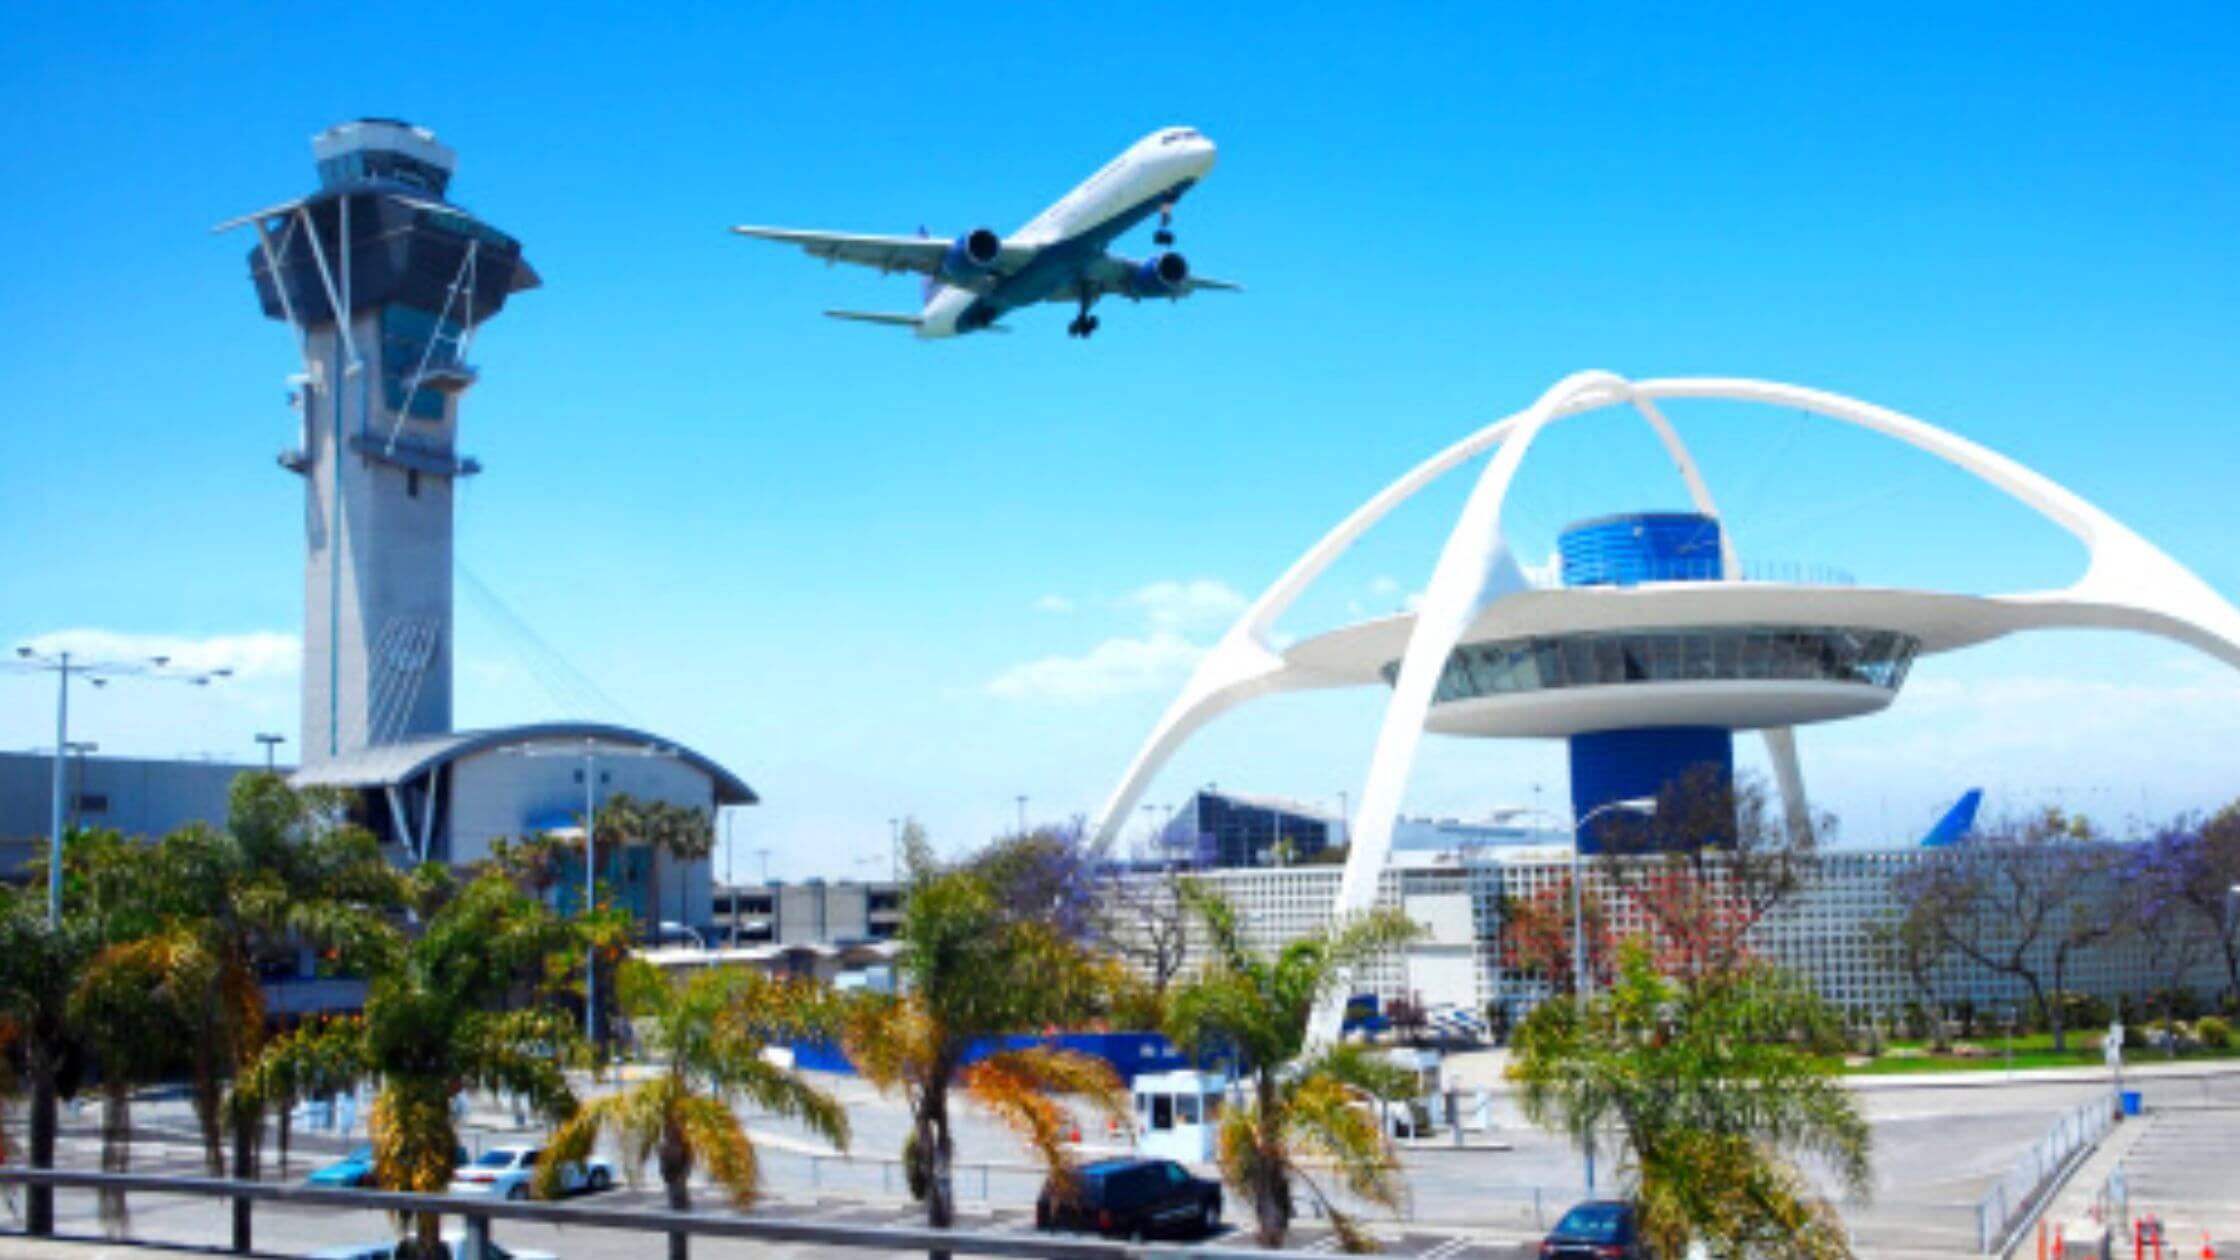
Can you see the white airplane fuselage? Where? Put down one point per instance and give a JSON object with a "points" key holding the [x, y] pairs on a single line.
{"points": [[1148, 177]]}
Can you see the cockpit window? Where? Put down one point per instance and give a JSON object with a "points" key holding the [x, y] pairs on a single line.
{"points": [[1177, 135]]}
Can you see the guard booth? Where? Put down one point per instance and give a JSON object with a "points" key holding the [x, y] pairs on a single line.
{"points": [[1414, 1115], [1176, 1114]]}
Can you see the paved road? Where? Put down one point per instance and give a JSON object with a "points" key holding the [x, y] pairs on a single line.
{"points": [[1936, 1148]]}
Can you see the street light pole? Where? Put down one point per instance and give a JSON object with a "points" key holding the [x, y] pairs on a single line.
{"points": [[61, 741], [590, 756], [271, 742], [62, 665]]}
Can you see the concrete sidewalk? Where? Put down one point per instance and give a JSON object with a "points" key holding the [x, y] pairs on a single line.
{"points": [[1484, 1069], [18, 1247], [2075, 1214]]}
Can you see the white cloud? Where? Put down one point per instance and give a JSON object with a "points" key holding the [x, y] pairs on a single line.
{"points": [[1118, 666], [1382, 585], [1053, 604], [257, 654], [1200, 603], [146, 718]]}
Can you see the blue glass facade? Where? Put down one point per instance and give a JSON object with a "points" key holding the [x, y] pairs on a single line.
{"points": [[1219, 830], [1640, 547], [1612, 766]]}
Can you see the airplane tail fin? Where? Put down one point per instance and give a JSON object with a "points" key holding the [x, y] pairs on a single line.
{"points": [[879, 317], [1957, 822]]}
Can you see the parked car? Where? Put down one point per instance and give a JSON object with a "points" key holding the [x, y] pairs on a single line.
{"points": [[454, 1246], [504, 1172], [1132, 1198], [1601, 1229], [356, 1169]]}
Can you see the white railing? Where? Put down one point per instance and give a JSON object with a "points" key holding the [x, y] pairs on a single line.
{"points": [[2037, 1172]]}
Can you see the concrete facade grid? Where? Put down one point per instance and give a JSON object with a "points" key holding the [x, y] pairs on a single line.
{"points": [[1823, 932]]}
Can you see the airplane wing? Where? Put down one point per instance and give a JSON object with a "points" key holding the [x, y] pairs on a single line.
{"points": [[1111, 276], [920, 254]]}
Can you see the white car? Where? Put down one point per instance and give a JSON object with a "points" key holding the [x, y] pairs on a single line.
{"points": [[456, 1243], [505, 1172]]}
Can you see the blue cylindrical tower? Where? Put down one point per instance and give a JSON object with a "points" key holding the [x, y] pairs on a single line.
{"points": [[1615, 765]]}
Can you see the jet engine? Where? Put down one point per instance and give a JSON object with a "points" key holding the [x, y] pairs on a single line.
{"points": [[1161, 275], [970, 256]]}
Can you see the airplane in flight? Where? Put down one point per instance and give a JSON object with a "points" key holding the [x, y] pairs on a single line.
{"points": [[1059, 256]]}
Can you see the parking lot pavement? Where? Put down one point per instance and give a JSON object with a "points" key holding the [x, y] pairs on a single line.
{"points": [[2181, 1171]]}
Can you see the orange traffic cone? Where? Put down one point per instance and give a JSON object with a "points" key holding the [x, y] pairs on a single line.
{"points": [[2208, 1249]]}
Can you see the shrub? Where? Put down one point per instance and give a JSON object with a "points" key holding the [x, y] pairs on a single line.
{"points": [[2078, 1011], [2213, 1032]]}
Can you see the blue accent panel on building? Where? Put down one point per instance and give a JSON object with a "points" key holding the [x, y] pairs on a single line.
{"points": [[1638, 547], [1621, 765], [1130, 1053]]}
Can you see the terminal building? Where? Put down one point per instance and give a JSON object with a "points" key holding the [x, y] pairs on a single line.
{"points": [[1651, 650]]}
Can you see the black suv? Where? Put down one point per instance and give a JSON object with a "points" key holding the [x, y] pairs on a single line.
{"points": [[1598, 1230], [1132, 1198]]}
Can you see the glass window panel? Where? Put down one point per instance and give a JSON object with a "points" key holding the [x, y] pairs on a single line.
{"points": [[1522, 673], [1609, 659], [1578, 662], [1726, 652], [1549, 653]]}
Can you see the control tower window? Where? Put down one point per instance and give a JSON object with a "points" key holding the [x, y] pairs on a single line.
{"points": [[414, 343]]}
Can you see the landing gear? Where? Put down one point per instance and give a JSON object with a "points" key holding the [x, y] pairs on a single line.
{"points": [[1165, 234], [1084, 323]]}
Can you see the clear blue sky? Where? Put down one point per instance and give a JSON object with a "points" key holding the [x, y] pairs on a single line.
{"points": [[822, 552]]}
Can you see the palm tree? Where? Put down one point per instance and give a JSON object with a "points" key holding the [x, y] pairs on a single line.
{"points": [[285, 873], [463, 1007], [687, 836], [39, 965], [707, 1034], [1300, 1106], [978, 964], [1711, 1079], [126, 1007]]}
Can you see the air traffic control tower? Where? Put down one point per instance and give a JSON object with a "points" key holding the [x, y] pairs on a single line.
{"points": [[385, 282]]}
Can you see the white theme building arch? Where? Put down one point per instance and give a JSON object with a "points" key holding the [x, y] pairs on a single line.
{"points": [[1477, 593]]}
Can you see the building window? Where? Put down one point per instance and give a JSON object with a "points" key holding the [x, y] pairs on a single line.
{"points": [[93, 802]]}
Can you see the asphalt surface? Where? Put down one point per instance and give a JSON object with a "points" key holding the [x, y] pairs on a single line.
{"points": [[1937, 1146]]}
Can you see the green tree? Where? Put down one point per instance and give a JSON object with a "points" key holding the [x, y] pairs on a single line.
{"points": [[39, 966], [2025, 899], [1712, 1081], [1302, 1104], [463, 1007], [284, 875], [666, 830], [707, 1035], [126, 1010], [979, 959]]}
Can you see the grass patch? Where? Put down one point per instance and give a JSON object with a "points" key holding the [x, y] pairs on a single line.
{"points": [[2032, 1050]]}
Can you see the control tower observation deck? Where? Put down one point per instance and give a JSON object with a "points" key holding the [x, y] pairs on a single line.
{"points": [[385, 282]]}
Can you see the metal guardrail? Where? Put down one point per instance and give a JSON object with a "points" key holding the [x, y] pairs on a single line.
{"points": [[478, 1213], [2037, 1171]]}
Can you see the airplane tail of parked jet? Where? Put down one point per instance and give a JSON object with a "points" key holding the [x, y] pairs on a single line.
{"points": [[1957, 822]]}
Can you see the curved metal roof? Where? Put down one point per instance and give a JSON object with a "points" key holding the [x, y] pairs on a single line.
{"points": [[387, 765]]}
